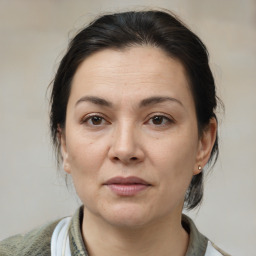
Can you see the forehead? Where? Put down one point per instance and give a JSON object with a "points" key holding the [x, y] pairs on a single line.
{"points": [[133, 71]]}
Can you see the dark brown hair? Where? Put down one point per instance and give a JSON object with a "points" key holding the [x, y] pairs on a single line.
{"points": [[159, 29]]}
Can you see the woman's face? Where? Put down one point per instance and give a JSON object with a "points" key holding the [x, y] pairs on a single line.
{"points": [[131, 140]]}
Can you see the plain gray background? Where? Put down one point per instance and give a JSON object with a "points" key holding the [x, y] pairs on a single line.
{"points": [[33, 38]]}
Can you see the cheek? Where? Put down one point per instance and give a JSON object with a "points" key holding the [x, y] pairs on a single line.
{"points": [[85, 153], [174, 160], [85, 159], [84, 164], [177, 152]]}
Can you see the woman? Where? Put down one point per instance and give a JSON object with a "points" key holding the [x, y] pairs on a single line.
{"points": [[133, 122]]}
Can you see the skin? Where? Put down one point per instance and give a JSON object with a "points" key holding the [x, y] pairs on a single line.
{"points": [[157, 141]]}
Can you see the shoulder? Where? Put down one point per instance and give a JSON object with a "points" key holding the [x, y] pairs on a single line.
{"points": [[35, 242], [213, 249], [199, 244]]}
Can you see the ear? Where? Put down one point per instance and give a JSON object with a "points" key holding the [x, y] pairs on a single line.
{"points": [[63, 148], [205, 145]]}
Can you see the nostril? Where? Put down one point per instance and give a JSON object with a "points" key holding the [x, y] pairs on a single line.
{"points": [[125, 160]]}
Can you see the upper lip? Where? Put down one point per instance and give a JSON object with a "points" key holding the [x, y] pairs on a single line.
{"points": [[126, 180]]}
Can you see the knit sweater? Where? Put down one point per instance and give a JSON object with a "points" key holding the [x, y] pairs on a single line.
{"points": [[38, 242]]}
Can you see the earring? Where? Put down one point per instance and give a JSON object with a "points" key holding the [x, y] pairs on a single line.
{"points": [[199, 167]]}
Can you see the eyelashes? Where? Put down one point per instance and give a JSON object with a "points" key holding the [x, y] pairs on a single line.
{"points": [[98, 120], [94, 120], [160, 120]]}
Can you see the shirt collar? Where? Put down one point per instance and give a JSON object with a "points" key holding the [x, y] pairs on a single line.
{"points": [[197, 242]]}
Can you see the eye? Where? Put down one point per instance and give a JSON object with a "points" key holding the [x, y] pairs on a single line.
{"points": [[94, 120], [160, 120]]}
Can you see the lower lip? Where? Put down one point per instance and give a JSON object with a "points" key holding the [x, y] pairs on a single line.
{"points": [[127, 190]]}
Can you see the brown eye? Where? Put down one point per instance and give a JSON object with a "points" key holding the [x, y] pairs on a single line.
{"points": [[160, 120], [157, 120], [96, 120]]}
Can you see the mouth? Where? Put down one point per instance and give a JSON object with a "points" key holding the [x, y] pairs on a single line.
{"points": [[127, 186]]}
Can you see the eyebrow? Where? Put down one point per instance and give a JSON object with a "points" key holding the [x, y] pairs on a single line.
{"points": [[144, 103], [158, 99], [95, 100]]}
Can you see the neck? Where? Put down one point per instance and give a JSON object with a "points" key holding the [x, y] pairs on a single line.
{"points": [[165, 237]]}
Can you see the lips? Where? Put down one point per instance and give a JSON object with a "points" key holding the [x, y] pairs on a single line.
{"points": [[126, 180], [127, 186]]}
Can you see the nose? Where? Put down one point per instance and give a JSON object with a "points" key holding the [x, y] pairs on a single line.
{"points": [[126, 145]]}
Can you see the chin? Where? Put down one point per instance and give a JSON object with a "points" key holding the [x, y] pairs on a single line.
{"points": [[127, 216], [128, 222]]}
